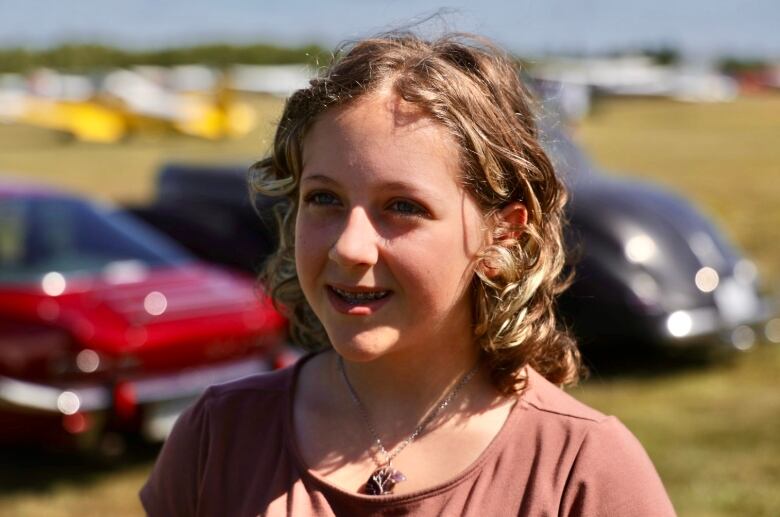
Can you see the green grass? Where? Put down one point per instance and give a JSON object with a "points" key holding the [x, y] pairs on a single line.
{"points": [[711, 431], [75, 490]]}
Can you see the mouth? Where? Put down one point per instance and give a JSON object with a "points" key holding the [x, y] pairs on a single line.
{"points": [[357, 300]]}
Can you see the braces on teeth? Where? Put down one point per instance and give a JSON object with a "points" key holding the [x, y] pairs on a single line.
{"points": [[375, 295]]}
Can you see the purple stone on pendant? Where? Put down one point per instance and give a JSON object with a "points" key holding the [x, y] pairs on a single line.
{"points": [[383, 480]]}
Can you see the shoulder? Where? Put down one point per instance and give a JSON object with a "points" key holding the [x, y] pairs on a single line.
{"points": [[223, 405], [595, 430], [253, 405], [609, 472], [547, 398], [613, 475], [229, 423], [262, 387]]}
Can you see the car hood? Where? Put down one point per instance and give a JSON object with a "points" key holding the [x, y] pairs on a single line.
{"points": [[173, 294], [637, 227], [187, 307]]}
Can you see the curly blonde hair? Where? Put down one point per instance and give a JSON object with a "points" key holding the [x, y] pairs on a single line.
{"points": [[473, 90]]}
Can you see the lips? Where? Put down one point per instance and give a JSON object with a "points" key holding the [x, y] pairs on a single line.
{"points": [[357, 300]]}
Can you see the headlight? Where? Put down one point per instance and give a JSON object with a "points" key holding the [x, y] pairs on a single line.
{"points": [[640, 248], [679, 324]]}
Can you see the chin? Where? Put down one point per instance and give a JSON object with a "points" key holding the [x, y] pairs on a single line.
{"points": [[366, 345]]}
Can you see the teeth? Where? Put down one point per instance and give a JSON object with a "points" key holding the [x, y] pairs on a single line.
{"points": [[357, 296]]}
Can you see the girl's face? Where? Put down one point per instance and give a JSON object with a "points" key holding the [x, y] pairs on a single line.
{"points": [[386, 237]]}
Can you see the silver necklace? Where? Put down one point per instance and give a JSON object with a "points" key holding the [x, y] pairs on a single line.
{"points": [[385, 477]]}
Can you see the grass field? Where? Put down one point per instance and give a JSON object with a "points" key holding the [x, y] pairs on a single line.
{"points": [[711, 430]]}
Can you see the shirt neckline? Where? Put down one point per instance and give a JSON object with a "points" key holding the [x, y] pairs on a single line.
{"points": [[313, 479]]}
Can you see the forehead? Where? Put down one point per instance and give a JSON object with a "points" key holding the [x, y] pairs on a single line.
{"points": [[381, 134]]}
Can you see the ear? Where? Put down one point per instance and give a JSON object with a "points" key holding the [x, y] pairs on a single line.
{"points": [[512, 219]]}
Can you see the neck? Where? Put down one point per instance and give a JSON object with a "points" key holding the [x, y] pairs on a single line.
{"points": [[397, 392]]}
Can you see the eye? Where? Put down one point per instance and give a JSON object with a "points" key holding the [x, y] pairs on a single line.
{"points": [[320, 198], [407, 208]]}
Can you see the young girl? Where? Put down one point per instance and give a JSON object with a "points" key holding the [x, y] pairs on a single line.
{"points": [[421, 253]]}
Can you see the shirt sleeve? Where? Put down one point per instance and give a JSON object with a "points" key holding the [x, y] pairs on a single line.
{"points": [[613, 476], [174, 485]]}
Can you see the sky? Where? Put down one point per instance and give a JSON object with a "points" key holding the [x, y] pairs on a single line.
{"points": [[699, 28]]}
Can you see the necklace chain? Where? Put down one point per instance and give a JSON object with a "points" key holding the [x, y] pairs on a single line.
{"points": [[427, 418]]}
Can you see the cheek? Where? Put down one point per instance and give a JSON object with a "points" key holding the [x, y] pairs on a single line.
{"points": [[308, 251], [436, 272]]}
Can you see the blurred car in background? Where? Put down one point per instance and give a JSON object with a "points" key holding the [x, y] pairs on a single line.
{"points": [[107, 327], [650, 269]]}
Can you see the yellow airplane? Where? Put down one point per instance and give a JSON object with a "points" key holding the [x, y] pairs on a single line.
{"points": [[130, 103]]}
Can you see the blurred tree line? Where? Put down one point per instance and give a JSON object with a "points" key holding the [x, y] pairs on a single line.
{"points": [[80, 58], [86, 57], [735, 65]]}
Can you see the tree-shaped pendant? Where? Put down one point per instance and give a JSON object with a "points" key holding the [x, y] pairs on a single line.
{"points": [[383, 480]]}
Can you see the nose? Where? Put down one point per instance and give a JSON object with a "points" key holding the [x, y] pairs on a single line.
{"points": [[357, 243]]}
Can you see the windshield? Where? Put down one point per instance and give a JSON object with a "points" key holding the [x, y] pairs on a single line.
{"points": [[41, 235]]}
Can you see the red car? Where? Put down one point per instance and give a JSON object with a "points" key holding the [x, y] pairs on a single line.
{"points": [[107, 327]]}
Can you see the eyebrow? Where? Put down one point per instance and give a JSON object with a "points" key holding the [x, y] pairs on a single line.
{"points": [[392, 186], [320, 177]]}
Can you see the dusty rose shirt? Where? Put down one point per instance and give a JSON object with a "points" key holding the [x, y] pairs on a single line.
{"points": [[233, 454]]}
